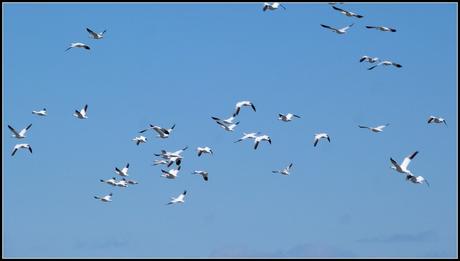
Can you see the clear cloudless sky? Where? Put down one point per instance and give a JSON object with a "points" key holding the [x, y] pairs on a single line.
{"points": [[180, 64]]}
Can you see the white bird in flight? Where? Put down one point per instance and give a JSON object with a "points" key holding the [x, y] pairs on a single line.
{"points": [[251, 135], [434, 119], [319, 136], [111, 181], [386, 63], [122, 183], [170, 174], [106, 198], [179, 199], [287, 117], [229, 127], [140, 139], [95, 35], [158, 162], [123, 172], [272, 6], [403, 167], [228, 121], [78, 45], [82, 113], [132, 182], [339, 31], [162, 132], [381, 28], [21, 134], [241, 104], [21, 146], [40, 113], [369, 59], [284, 171], [347, 13], [203, 173], [202, 150], [258, 139], [375, 129]]}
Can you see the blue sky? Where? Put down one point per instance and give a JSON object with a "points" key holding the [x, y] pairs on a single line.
{"points": [[181, 64]]}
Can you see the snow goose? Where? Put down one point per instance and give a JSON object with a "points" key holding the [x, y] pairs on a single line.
{"points": [[287, 117], [111, 181], [339, 31], [21, 134], [228, 121], [381, 28], [170, 174], [284, 171], [203, 173], [375, 129], [272, 6], [140, 139], [162, 132], [386, 63], [21, 146], [319, 136], [106, 198], [95, 35], [369, 59], [40, 113], [417, 179], [230, 127], [347, 13], [123, 172], [434, 119], [258, 139], [179, 199], [82, 113], [251, 135], [241, 104], [202, 150], [403, 167], [78, 45], [122, 183]]}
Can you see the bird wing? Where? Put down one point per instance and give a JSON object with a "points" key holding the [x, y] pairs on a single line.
{"points": [[23, 131], [407, 160], [338, 9], [256, 145], [328, 27], [365, 127], [371, 27], [316, 142], [91, 32], [13, 130]]}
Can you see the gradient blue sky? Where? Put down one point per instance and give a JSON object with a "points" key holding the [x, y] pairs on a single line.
{"points": [[183, 63]]}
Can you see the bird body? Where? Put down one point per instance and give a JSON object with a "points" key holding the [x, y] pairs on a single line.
{"points": [[347, 13], [241, 104]]}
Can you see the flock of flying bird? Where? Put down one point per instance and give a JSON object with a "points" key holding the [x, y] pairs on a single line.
{"points": [[169, 158]]}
